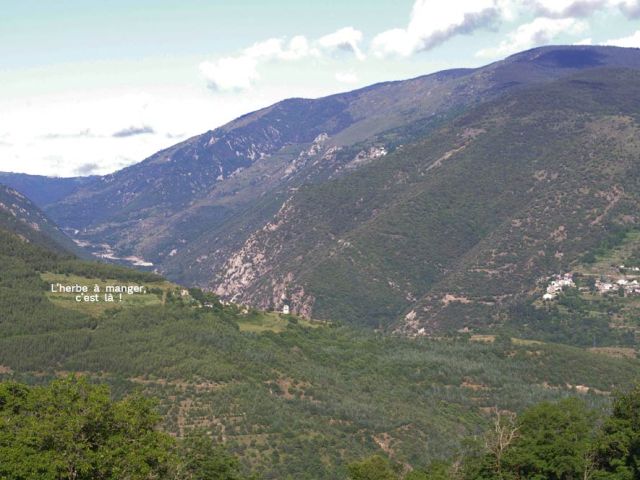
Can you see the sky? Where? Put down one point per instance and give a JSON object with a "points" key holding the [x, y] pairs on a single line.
{"points": [[90, 86]]}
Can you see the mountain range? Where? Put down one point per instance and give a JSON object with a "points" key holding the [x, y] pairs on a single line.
{"points": [[422, 205]]}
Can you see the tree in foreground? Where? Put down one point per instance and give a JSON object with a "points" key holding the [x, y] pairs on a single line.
{"points": [[73, 430], [549, 441], [617, 450], [554, 442]]}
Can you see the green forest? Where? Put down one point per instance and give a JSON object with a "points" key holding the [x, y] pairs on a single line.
{"points": [[71, 429], [286, 398]]}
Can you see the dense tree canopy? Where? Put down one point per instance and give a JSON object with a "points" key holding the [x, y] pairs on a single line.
{"points": [[73, 430], [617, 451], [549, 441]]}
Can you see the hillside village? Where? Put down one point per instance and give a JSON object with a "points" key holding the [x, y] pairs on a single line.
{"points": [[626, 283]]}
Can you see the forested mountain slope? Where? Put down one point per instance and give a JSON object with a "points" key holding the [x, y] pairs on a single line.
{"points": [[292, 398], [443, 233]]}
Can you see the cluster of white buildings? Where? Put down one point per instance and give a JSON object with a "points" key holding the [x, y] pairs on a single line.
{"points": [[630, 287], [603, 285], [557, 284]]}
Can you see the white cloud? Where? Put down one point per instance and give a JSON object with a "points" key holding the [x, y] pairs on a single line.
{"points": [[631, 8], [105, 129], [509, 9], [276, 48], [346, 77], [230, 73], [240, 72], [632, 41], [568, 8], [345, 39], [540, 31], [431, 24], [584, 8], [584, 41], [36, 138]]}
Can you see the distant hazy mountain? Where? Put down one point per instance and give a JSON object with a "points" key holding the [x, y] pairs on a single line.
{"points": [[426, 203], [44, 190], [20, 216]]}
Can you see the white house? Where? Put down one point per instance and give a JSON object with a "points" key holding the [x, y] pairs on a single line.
{"points": [[285, 310], [557, 284]]}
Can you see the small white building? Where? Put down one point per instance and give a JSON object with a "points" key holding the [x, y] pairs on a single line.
{"points": [[557, 284], [285, 310]]}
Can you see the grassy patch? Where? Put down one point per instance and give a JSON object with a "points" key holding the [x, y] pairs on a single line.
{"points": [[155, 293], [259, 322]]}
